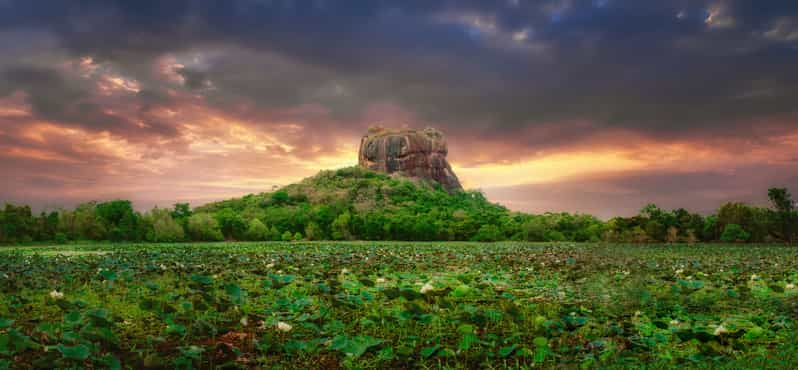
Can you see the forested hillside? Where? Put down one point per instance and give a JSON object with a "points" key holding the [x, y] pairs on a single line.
{"points": [[358, 204]]}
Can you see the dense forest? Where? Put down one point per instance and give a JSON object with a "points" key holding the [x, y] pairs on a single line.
{"points": [[357, 204]]}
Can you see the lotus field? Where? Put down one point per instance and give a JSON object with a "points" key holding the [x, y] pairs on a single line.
{"points": [[398, 305]]}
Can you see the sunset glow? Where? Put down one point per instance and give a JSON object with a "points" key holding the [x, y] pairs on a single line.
{"points": [[532, 97]]}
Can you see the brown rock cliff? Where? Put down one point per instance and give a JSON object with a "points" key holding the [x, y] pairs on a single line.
{"points": [[411, 153]]}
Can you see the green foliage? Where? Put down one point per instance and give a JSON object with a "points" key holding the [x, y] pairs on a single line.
{"points": [[257, 230], [16, 224], [358, 204], [164, 227], [488, 233], [60, 238], [231, 223], [314, 232], [279, 197], [398, 305], [734, 233], [341, 228], [786, 215], [119, 219], [181, 213], [203, 227]]}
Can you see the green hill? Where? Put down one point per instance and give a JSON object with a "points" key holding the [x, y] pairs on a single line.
{"points": [[358, 204], [355, 203]]}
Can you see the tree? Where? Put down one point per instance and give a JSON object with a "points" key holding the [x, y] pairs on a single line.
{"points": [[340, 227], [313, 231], [181, 213], [274, 234], [257, 230], [710, 231], [735, 213], [673, 234], [164, 227], [231, 224], [119, 219], [733, 233], [46, 226], [280, 197], [781, 199], [534, 229], [488, 233], [203, 227], [651, 212], [691, 238], [87, 225], [656, 231], [17, 224], [554, 236], [785, 210], [634, 235], [287, 237]]}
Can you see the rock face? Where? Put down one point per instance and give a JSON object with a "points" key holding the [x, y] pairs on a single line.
{"points": [[412, 153]]}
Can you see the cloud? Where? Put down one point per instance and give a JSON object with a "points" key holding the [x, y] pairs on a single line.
{"points": [[131, 92], [626, 193]]}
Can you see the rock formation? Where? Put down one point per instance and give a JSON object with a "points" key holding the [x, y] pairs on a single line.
{"points": [[411, 153]]}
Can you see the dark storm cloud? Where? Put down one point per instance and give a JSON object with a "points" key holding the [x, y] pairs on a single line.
{"points": [[660, 68], [505, 80], [57, 98]]}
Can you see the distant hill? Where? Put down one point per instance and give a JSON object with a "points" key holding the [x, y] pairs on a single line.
{"points": [[359, 204], [356, 203]]}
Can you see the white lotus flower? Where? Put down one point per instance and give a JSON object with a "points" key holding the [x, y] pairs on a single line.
{"points": [[284, 327], [270, 265], [674, 322], [380, 280], [344, 271], [244, 321], [754, 277], [56, 295], [427, 288], [721, 330], [789, 286]]}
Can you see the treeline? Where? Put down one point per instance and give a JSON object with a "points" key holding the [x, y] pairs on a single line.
{"points": [[356, 204]]}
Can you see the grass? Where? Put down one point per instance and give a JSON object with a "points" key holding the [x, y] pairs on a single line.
{"points": [[398, 305]]}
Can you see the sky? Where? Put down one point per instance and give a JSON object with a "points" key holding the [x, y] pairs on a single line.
{"points": [[593, 106]]}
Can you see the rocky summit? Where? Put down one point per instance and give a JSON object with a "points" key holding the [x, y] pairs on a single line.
{"points": [[417, 154]]}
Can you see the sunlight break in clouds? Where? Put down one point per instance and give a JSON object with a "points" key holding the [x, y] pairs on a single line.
{"points": [[637, 99]]}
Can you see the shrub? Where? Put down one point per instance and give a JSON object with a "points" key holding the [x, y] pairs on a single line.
{"points": [[488, 233], [280, 197], [166, 229], [257, 231], [733, 233], [60, 238], [313, 231], [203, 227], [554, 236]]}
